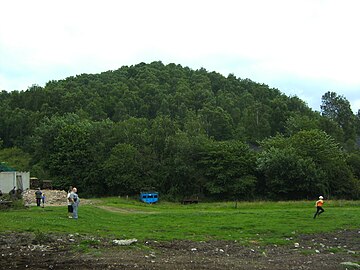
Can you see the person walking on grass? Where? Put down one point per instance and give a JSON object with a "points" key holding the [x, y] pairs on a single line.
{"points": [[43, 198], [38, 194], [319, 203], [75, 201]]}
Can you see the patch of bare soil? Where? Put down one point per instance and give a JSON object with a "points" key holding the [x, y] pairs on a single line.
{"points": [[40, 251], [122, 210]]}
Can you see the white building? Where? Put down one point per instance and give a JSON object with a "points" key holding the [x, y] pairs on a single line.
{"points": [[11, 179]]}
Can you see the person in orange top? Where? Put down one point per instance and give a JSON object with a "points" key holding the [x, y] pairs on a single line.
{"points": [[319, 203]]}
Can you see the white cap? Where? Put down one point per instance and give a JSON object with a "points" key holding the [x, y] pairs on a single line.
{"points": [[321, 197]]}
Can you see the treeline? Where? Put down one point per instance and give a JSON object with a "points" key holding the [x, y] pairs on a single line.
{"points": [[183, 132]]}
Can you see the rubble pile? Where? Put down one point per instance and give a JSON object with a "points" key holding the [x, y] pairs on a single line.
{"points": [[52, 197]]}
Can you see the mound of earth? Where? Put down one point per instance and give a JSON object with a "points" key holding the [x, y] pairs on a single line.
{"points": [[53, 197], [39, 251]]}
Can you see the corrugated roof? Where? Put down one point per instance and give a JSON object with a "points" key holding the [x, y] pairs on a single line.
{"points": [[5, 168]]}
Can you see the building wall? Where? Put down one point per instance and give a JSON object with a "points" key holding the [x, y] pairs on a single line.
{"points": [[8, 180]]}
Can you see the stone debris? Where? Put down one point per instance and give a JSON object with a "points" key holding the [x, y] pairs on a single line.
{"points": [[351, 264], [125, 242], [52, 197]]}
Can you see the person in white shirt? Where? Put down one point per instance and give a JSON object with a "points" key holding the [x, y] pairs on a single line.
{"points": [[70, 208]]}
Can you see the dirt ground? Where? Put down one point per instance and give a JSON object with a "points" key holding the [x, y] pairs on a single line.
{"points": [[40, 251]]}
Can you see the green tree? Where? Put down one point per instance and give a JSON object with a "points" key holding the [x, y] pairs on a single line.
{"points": [[357, 123], [70, 150], [228, 169], [134, 131], [288, 175], [311, 160], [353, 160], [15, 158], [181, 177], [279, 114], [337, 108], [300, 122], [217, 122], [71, 154], [122, 170], [161, 128], [256, 122]]}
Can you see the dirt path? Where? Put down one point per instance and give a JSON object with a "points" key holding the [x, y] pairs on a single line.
{"points": [[123, 210], [321, 251]]}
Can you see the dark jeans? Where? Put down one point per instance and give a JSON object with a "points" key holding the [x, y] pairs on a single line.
{"points": [[319, 210], [38, 201]]}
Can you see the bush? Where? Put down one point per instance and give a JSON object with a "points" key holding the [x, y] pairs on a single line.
{"points": [[9, 202]]}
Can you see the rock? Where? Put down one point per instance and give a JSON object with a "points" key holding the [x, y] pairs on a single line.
{"points": [[351, 264], [125, 242]]}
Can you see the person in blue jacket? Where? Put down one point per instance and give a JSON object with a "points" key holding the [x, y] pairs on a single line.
{"points": [[75, 201], [43, 198]]}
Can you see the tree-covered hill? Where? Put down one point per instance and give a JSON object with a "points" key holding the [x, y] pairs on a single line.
{"points": [[183, 132]]}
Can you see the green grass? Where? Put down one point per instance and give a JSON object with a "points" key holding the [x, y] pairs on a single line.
{"points": [[255, 222]]}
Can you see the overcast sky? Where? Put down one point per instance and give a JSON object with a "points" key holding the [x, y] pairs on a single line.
{"points": [[301, 47]]}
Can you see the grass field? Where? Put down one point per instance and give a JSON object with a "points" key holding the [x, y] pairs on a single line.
{"points": [[255, 222]]}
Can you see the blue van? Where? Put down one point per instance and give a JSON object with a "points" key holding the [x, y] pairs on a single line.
{"points": [[149, 197]]}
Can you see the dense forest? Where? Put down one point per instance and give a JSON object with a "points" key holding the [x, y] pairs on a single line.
{"points": [[183, 132]]}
